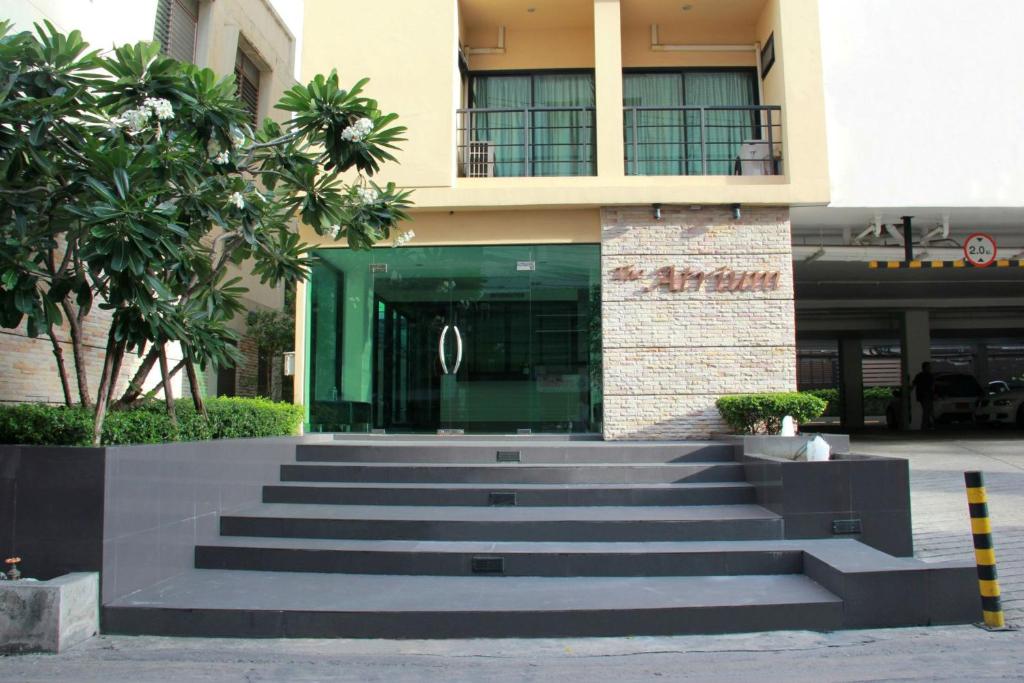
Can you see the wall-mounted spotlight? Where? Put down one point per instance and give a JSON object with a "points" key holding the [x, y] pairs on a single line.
{"points": [[736, 213], [656, 208]]}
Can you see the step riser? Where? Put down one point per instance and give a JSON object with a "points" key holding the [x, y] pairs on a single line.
{"points": [[703, 530], [498, 624], [518, 474], [528, 454], [515, 564], [731, 495]]}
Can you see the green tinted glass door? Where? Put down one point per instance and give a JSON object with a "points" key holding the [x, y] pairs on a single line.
{"points": [[482, 339], [489, 346]]}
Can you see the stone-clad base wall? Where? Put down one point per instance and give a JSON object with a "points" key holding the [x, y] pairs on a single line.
{"points": [[673, 342]]}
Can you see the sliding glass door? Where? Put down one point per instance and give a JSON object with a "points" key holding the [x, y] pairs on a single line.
{"points": [[666, 133]]}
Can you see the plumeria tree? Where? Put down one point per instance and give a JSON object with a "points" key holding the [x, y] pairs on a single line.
{"points": [[131, 183]]}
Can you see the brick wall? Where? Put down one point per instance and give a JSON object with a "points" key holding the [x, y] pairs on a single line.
{"points": [[28, 369], [668, 355]]}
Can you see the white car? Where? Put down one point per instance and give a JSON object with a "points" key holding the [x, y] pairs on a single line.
{"points": [[1003, 407]]}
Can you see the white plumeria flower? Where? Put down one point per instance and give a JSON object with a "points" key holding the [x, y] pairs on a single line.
{"points": [[367, 195], [333, 231], [134, 120], [222, 159], [404, 238], [237, 138], [237, 199], [160, 107], [358, 130]]}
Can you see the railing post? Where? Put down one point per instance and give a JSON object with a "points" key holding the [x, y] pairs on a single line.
{"points": [[526, 143], [703, 143], [771, 145], [636, 144]]}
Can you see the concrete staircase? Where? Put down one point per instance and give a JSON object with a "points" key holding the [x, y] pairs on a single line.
{"points": [[491, 539]]}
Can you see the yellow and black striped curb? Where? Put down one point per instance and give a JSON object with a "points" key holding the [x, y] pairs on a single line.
{"points": [[893, 265], [984, 551]]}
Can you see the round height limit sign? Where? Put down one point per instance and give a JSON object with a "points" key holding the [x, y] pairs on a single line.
{"points": [[980, 250]]}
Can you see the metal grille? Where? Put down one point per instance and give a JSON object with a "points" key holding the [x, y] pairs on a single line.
{"points": [[735, 140], [527, 141], [177, 22], [247, 76]]}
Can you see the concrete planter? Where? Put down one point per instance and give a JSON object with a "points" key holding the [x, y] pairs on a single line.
{"points": [[49, 616], [854, 496]]}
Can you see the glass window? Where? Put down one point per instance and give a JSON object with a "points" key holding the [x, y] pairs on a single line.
{"points": [[548, 129], [662, 138]]}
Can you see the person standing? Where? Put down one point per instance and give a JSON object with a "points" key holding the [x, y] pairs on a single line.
{"points": [[924, 392]]}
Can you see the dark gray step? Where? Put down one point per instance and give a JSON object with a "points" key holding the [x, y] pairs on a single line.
{"points": [[465, 558], [716, 493], [514, 473], [607, 523], [536, 453], [309, 605]]}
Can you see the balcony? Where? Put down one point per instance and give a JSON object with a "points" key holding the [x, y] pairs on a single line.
{"points": [[703, 141], [526, 141]]}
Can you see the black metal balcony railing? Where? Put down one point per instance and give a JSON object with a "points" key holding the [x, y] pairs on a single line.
{"points": [[528, 141], [703, 140]]}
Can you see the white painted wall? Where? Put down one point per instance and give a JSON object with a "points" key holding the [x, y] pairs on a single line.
{"points": [[924, 102], [292, 12]]}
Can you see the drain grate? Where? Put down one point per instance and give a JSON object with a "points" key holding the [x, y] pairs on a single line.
{"points": [[508, 456], [487, 565], [502, 498]]}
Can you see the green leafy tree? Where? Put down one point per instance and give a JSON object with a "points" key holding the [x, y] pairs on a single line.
{"points": [[273, 332], [132, 182]]}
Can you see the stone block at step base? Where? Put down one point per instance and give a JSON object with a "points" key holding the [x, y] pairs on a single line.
{"points": [[49, 616]]}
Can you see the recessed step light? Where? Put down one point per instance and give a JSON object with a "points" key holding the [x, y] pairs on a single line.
{"points": [[487, 565]]}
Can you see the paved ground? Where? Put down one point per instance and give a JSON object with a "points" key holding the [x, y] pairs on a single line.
{"points": [[941, 531], [939, 502]]}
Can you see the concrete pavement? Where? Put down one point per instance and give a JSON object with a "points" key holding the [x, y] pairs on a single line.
{"points": [[942, 528]]}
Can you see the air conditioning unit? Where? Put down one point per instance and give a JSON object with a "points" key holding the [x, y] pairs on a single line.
{"points": [[478, 159]]}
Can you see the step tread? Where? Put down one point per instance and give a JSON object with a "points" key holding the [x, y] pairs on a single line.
{"points": [[684, 465], [532, 547], [512, 486], [298, 591], [459, 513]]}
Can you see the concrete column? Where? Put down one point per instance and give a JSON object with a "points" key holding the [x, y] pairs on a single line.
{"points": [[981, 370], [851, 382], [915, 339], [608, 87]]}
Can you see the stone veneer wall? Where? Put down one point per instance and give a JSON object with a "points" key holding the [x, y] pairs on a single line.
{"points": [[669, 355]]}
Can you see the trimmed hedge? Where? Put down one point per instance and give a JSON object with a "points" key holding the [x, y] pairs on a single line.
{"points": [[763, 413], [229, 418], [876, 400]]}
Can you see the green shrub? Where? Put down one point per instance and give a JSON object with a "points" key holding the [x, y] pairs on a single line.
{"points": [[763, 413], [148, 423], [36, 424], [876, 400], [833, 407]]}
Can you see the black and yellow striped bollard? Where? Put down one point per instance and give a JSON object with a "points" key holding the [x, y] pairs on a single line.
{"points": [[984, 551]]}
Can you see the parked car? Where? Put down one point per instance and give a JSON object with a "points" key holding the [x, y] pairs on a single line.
{"points": [[956, 397], [1003, 405]]}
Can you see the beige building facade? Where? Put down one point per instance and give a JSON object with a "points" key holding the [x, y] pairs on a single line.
{"points": [[602, 233]]}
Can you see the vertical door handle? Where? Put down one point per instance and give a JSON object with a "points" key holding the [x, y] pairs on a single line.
{"points": [[458, 350], [440, 349]]}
